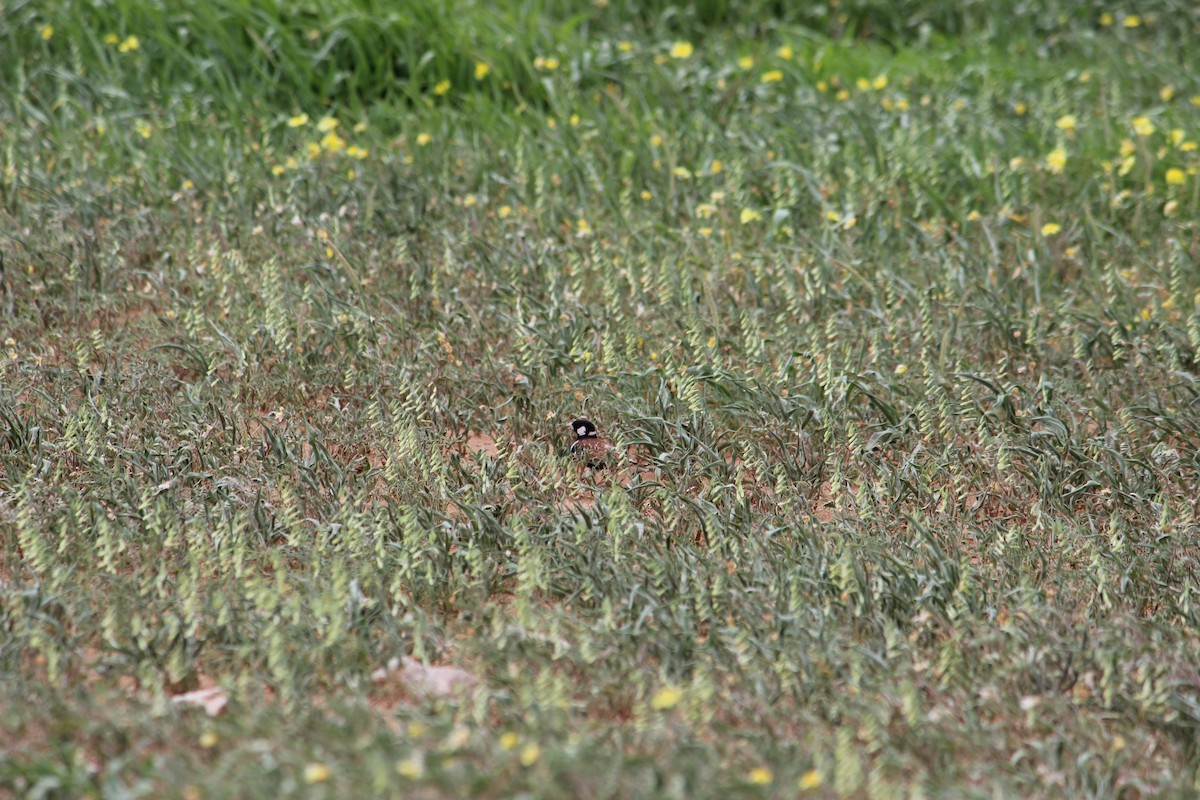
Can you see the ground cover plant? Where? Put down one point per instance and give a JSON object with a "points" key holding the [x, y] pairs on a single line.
{"points": [[891, 308]]}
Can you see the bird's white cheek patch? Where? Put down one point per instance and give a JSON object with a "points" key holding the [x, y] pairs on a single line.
{"points": [[582, 431]]}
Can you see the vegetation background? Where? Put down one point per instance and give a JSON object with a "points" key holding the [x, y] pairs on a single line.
{"points": [[894, 305]]}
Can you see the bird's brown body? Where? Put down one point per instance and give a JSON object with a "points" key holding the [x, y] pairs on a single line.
{"points": [[589, 446]]}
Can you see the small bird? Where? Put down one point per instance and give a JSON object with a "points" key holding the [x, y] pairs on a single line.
{"points": [[589, 446]]}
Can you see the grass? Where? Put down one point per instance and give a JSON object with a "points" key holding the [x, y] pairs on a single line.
{"points": [[894, 305]]}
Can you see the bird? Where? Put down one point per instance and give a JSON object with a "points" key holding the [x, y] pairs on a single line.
{"points": [[589, 446]]}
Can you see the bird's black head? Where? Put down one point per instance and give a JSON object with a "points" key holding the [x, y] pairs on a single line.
{"points": [[583, 429]]}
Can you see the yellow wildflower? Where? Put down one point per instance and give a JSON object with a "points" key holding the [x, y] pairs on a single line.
{"points": [[667, 697], [772, 76], [130, 44], [530, 754], [332, 142], [810, 780], [1051, 228], [1133, 21], [749, 215], [785, 52], [481, 70], [423, 139], [746, 62], [879, 82], [1142, 126], [682, 49], [1056, 159], [316, 773], [297, 121], [760, 776], [1066, 122], [47, 32], [441, 88], [1175, 177]]}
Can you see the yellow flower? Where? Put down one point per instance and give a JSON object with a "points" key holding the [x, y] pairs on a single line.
{"points": [[716, 167], [810, 780], [862, 84], [47, 32], [772, 76], [624, 46], [1056, 160], [668, 697], [785, 52], [144, 129], [1175, 177], [1133, 21], [423, 139], [1187, 147], [1051, 228], [1166, 93], [582, 228], [682, 49], [760, 776], [1176, 135], [298, 120], [705, 210], [746, 62], [530, 754], [574, 120], [277, 170], [1170, 208], [901, 369], [470, 200], [209, 740], [332, 142], [312, 149], [111, 38], [354, 151], [1106, 19], [879, 82], [504, 211], [326, 124], [1065, 123], [682, 172], [973, 216], [842, 95], [646, 196], [656, 140], [441, 88], [481, 70], [316, 773], [1127, 147], [1142, 126], [410, 768], [187, 185], [749, 215], [705, 232], [131, 43]]}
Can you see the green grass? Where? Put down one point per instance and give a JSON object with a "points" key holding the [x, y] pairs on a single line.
{"points": [[914, 401]]}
